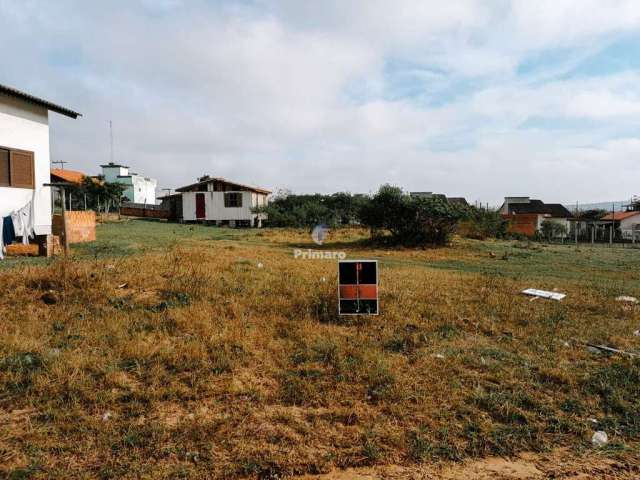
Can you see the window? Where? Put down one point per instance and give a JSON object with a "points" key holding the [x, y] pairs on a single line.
{"points": [[16, 168], [232, 199]]}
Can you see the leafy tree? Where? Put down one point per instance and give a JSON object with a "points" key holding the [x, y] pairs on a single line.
{"points": [[591, 215], [481, 223], [410, 220], [550, 229], [100, 195], [289, 210]]}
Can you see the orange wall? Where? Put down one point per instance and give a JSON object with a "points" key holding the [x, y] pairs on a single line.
{"points": [[524, 223], [81, 226]]}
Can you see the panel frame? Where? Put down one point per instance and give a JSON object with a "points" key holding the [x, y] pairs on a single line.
{"points": [[377, 284]]}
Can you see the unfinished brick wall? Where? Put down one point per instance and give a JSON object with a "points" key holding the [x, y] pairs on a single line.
{"points": [[523, 223], [81, 226]]}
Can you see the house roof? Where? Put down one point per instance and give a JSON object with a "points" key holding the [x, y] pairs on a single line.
{"points": [[619, 215], [113, 165], [188, 188], [71, 176], [555, 210], [458, 201], [12, 92]]}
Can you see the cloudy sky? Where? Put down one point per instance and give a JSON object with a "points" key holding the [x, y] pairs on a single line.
{"points": [[480, 98]]}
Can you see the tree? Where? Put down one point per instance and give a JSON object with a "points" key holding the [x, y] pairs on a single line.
{"points": [[550, 229], [591, 215], [410, 220], [289, 210], [100, 195], [481, 223]]}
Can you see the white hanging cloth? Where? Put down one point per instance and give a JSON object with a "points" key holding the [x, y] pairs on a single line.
{"points": [[24, 221]]}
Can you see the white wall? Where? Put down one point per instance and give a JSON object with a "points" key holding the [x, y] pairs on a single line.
{"points": [[25, 126], [111, 172], [139, 189], [561, 221], [144, 190], [628, 225], [215, 209]]}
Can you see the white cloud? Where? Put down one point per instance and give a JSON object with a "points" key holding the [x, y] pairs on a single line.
{"points": [[292, 94]]}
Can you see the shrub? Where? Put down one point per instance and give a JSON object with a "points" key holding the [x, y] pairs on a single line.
{"points": [[482, 223], [300, 211], [410, 220], [551, 229]]}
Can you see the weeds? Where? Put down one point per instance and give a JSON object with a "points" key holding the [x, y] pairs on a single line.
{"points": [[210, 367]]}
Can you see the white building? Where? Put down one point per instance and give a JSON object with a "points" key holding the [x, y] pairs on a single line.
{"points": [[139, 189], [627, 222], [24, 154], [527, 215], [218, 201]]}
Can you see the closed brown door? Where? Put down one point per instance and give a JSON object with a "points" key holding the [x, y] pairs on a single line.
{"points": [[200, 210]]}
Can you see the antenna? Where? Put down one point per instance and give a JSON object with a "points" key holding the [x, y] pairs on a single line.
{"points": [[60, 162], [111, 140]]}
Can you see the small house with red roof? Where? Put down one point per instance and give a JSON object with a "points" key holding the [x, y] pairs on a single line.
{"points": [[625, 222]]}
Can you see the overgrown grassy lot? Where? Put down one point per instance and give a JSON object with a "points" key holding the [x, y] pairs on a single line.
{"points": [[175, 351]]}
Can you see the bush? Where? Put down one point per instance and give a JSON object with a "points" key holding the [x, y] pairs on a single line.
{"points": [[410, 220], [550, 229], [482, 223], [299, 211]]}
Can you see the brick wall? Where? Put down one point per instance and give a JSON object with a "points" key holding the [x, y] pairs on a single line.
{"points": [[144, 212], [523, 223], [81, 226]]}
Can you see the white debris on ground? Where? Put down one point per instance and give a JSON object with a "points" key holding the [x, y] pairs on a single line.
{"points": [[627, 299], [106, 416], [533, 292], [600, 439], [260, 265]]}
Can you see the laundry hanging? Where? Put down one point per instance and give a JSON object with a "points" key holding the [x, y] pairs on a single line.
{"points": [[23, 222], [7, 234]]}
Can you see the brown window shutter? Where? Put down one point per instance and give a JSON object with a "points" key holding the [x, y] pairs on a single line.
{"points": [[5, 176], [22, 169]]}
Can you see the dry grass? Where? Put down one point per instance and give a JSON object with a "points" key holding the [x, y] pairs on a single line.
{"points": [[206, 365]]}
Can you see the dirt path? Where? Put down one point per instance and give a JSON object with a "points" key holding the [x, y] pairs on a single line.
{"points": [[557, 465]]}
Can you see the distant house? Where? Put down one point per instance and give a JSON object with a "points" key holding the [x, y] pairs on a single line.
{"points": [[526, 215], [139, 189], [217, 200], [24, 155], [61, 175], [461, 201], [626, 222], [64, 177]]}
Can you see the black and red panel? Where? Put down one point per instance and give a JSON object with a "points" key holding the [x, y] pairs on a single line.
{"points": [[358, 287]]}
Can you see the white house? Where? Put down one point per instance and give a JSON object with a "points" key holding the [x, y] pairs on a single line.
{"points": [[24, 154], [527, 214], [627, 222], [139, 189], [219, 201]]}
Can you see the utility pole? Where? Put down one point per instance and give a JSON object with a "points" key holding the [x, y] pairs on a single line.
{"points": [[613, 222], [576, 223]]}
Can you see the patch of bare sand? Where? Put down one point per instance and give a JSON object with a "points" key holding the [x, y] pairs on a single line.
{"points": [[559, 464]]}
